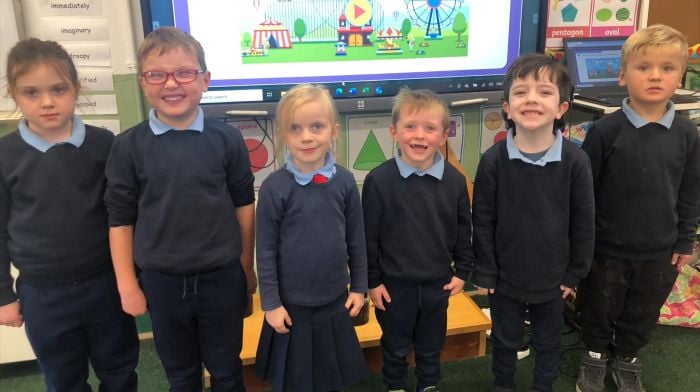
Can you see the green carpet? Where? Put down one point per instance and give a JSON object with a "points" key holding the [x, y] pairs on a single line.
{"points": [[670, 364]]}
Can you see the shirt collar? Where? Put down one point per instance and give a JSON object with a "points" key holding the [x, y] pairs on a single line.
{"points": [[553, 154], [158, 127], [76, 138], [437, 169], [638, 121], [328, 170]]}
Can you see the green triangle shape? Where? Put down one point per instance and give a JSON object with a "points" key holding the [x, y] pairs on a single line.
{"points": [[370, 155]]}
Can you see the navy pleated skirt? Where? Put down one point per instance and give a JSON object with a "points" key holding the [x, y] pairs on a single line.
{"points": [[320, 353]]}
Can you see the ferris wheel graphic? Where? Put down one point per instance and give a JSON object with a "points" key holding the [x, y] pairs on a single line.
{"points": [[433, 14]]}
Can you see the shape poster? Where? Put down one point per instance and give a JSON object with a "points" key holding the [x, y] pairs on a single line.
{"points": [[370, 144], [493, 127], [259, 138], [589, 18]]}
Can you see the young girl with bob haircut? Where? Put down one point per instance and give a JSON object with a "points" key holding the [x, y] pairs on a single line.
{"points": [[310, 246], [53, 228]]}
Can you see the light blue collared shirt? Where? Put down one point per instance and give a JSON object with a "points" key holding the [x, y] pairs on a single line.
{"points": [[638, 121], [158, 127], [76, 138], [436, 170], [327, 170], [553, 154]]}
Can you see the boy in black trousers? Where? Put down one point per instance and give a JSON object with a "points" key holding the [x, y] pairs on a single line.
{"points": [[646, 172], [417, 222], [181, 215], [533, 220]]}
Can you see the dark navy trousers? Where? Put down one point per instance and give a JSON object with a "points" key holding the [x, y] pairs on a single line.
{"points": [[198, 319], [72, 324], [547, 322], [415, 319]]}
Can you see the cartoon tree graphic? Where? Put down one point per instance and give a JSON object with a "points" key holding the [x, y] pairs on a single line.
{"points": [[246, 39], [459, 25], [299, 28], [370, 155], [406, 27]]}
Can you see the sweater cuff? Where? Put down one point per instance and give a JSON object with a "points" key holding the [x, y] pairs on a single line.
{"points": [[683, 247], [570, 280], [485, 282], [464, 275], [375, 282], [7, 297]]}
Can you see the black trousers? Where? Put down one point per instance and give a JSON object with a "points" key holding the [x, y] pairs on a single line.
{"points": [[70, 324], [620, 302], [547, 321], [415, 319], [198, 319]]}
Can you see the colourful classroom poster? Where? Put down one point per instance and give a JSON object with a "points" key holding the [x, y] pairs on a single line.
{"points": [[369, 142], [259, 138], [493, 127], [589, 18]]}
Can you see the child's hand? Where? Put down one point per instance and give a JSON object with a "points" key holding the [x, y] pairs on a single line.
{"points": [[379, 295], [10, 315], [565, 291], [455, 286], [251, 280], [279, 319], [484, 291], [354, 303], [134, 302], [680, 260]]}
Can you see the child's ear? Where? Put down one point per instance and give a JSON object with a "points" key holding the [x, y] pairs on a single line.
{"points": [[506, 109], [563, 107], [336, 132]]}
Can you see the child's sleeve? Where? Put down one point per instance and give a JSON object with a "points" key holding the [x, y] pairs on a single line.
{"points": [[372, 208], [689, 199], [7, 294], [240, 179], [122, 193], [463, 254], [484, 222], [267, 225], [355, 238], [581, 223], [593, 146]]}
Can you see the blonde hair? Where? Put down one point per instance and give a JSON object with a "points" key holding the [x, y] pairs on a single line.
{"points": [[655, 36], [299, 95], [166, 39], [415, 100]]}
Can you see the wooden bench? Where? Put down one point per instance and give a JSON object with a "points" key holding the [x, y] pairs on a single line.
{"points": [[466, 338]]}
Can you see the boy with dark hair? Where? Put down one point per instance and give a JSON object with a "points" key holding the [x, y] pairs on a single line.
{"points": [[533, 220], [417, 222], [180, 201], [646, 171]]}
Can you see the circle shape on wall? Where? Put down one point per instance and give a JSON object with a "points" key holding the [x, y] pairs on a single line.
{"points": [[493, 120], [603, 14], [622, 14], [258, 154]]}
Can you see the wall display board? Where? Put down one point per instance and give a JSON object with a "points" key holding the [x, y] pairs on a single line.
{"points": [[589, 18], [259, 138], [493, 126], [369, 142]]}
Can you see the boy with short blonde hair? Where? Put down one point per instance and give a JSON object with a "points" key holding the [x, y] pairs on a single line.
{"points": [[417, 222], [181, 215], [646, 171]]}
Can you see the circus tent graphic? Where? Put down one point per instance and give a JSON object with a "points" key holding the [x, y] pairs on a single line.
{"points": [[272, 32]]}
